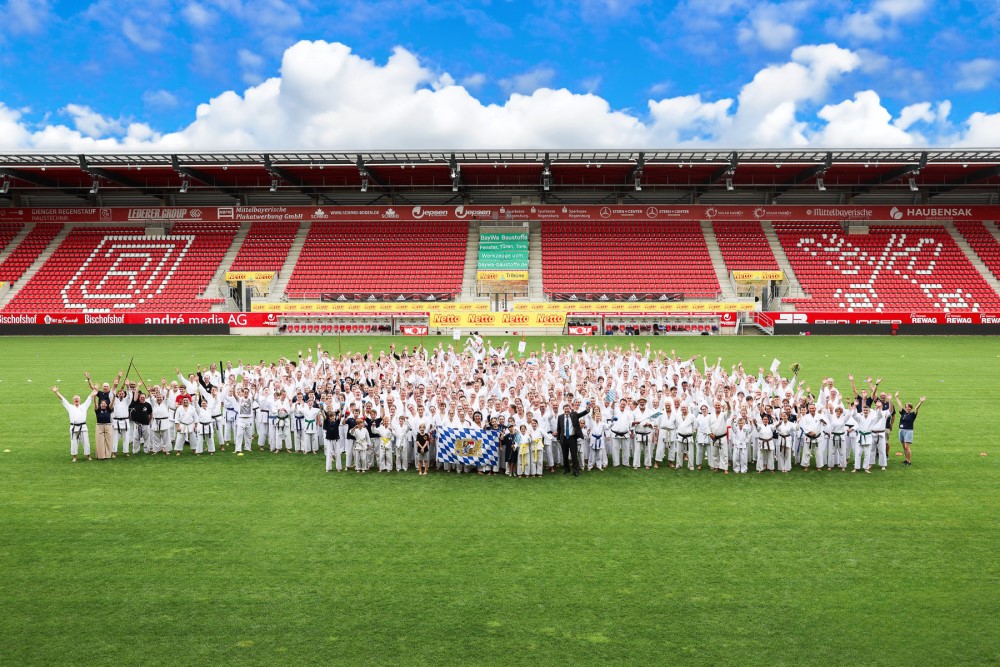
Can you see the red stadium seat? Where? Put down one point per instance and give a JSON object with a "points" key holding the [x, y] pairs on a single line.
{"points": [[626, 257], [892, 268], [101, 269], [386, 256]]}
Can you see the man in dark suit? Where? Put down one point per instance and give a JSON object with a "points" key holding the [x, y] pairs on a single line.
{"points": [[568, 431]]}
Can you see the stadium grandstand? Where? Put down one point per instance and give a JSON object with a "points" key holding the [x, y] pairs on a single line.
{"points": [[638, 241]]}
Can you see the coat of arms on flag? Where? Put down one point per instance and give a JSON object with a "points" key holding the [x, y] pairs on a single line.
{"points": [[470, 446]]}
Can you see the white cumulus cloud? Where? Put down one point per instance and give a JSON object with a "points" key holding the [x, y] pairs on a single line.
{"points": [[978, 74], [879, 21], [326, 96]]}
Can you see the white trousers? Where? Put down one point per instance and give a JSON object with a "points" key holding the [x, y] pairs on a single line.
{"points": [[159, 441], [244, 437], [281, 436], [78, 438], [663, 445], [765, 459], [385, 457], [181, 438], [740, 458], [643, 445], [878, 444]]}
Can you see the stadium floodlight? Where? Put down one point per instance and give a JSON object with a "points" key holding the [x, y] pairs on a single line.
{"points": [[364, 182], [185, 184], [913, 185], [95, 186], [729, 183], [5, 186], [274, 185], [820, 185]]}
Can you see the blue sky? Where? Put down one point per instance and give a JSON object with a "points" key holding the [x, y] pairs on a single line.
{"points": [[114, 74]]}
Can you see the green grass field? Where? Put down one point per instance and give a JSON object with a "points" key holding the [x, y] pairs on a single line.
{"points": [[268, 560]]}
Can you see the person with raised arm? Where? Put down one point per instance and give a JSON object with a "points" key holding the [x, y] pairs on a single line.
{"points": [[77, 412], [907, 416]]}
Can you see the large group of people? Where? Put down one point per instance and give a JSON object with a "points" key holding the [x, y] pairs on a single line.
{"points": [[580, 409]]}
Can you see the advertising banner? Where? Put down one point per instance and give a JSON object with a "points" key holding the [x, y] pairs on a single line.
{"points": [[649, 307], [757, 276], [368, 307], [567, 213], [489, 320], [249, 276], [922, 317], [234, 320], [414, 329], [502, 276]]}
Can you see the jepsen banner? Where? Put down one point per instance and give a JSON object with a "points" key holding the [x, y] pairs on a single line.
{"points": [[484, 213]]}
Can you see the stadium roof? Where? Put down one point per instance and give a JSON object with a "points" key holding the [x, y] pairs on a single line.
{"points": [[876, 176]]}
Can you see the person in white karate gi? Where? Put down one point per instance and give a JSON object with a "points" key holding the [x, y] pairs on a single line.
{"points": [[739, 436], [869, 423], [119, 418], [384, 447], [204, 434], [77, 412], [836, 422], [685, 437], [310, 425], [244, 422], [402, 443], [160, 426], [621, 427], [281, 418], [785, 432], [718, 434], [812, 436], [362, 441], [667, 424], [765, 441], [185, 421], [643, 426], [703, 437], [598, 438]]}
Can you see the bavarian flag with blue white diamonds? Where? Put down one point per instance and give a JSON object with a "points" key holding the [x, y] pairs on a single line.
{"points": [[471, 446]]}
